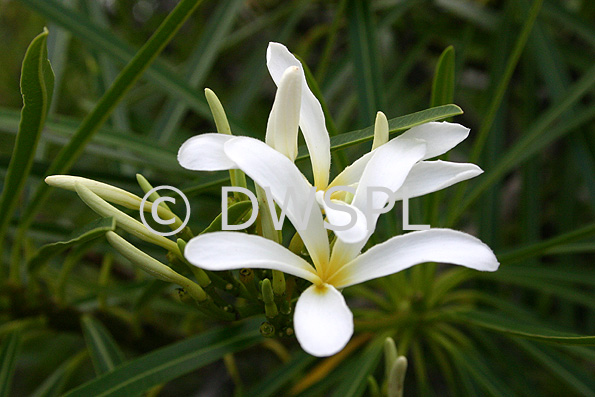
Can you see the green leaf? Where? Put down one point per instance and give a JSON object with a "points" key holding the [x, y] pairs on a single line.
{"points": [[104, 351], [198, 66], [235, 213], [397, 124], [123, 83], [37, 86], [108, 141], [170, 362], [52, 386], [564, 369], [8, 356], [91, 231], [273, 383], [360, 369], [503, 324], [443, 85], [364, 52]]}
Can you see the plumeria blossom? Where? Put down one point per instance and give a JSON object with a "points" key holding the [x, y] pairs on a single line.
{"points": [[322, 321], [295, 105]]}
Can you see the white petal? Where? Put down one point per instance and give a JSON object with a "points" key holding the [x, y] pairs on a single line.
{"points": [[270, 169], [233, 250], [430, 176], [440, 137], [387, 169], [282, 128], [311, 115], [339, 216], [323, 323], [205, 153], [402, 252]]}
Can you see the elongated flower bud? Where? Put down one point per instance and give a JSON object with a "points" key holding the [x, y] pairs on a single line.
{"points": [[154, 267], [380, 131], [124, 221], [396, 380], [270, 308], [112, 194]]}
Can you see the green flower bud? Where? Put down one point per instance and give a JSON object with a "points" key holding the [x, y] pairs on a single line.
{"points": [[396, 380], [124, 221], [154, 267], [270, 308]]}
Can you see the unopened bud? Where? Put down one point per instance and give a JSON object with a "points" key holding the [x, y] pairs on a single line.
{"points": [[270, 308], [267, 329], [380, 131], [396, 380], [124, 221], [154, 267]]}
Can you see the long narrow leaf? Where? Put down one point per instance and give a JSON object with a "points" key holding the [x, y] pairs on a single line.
{"points": [[8, 356], [104, 351], [362, 37], [170, 362], [503, 324], [443, 85], [37, 86], [87, 233]]}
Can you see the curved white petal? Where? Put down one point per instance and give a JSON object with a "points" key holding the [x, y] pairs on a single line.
{"points": [[205, 153], [233, 250], [402, 252], [323, 323], [270, 169], [430, 176], [440, 137], [282, 127], [342, 214], [311, 115], [387, 169]]}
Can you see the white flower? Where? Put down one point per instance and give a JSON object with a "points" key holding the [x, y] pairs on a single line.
{"points": [[323, 323], [211, 152]]}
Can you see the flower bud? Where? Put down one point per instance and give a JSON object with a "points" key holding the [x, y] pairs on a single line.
{"points": [[270, 308], [380, 131], [396, 380], [154, 267], [124, 221]]}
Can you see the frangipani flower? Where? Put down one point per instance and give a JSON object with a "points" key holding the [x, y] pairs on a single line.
{"points": [[296, 104], [323, 323]]}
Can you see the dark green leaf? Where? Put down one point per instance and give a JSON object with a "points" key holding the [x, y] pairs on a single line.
{"points": [[8, 356], [364, 52], [273, 384], [104, 351], [347, 139], [356, 384], [235, 213], [88, 232], [170, 362], [504, 324], [443, 86], [37, 86]]}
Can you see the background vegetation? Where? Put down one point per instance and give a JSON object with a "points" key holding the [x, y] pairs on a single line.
{"points": [[523, 73]]}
